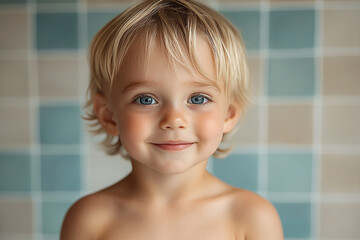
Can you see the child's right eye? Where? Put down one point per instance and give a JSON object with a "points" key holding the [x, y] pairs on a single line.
{"points": [[145, 100]]}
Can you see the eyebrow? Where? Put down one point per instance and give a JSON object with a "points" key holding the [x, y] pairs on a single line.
{"points": [[134, 85], [137, 84], [208, 84]]}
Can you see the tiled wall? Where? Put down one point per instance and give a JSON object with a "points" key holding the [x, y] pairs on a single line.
{"points": [[299, 144]]}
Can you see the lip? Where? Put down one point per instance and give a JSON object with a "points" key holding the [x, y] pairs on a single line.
{"points": [[174, 145]]}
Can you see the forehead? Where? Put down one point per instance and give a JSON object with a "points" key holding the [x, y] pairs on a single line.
{"points": [[153, 61]]}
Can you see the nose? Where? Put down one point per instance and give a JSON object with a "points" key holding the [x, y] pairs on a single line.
{"points": [[173, 118]]}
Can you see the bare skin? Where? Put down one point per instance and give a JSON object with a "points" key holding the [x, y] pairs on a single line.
{"points": [[203, 208]]}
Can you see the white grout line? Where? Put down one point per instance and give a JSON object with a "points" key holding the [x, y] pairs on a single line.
{"points": [[342, 198], [34, 121], [317, 117], [340, 149], [263, 104], [293, 7]]}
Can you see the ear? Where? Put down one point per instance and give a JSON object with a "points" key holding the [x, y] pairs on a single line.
{"points": [[105, 115], [232, 117]]}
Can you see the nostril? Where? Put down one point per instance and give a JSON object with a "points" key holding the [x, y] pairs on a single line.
{"points": [[173, 123], [173, 117]]}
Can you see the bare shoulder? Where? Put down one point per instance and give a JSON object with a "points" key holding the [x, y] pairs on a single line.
{"points": [[257, 216], [88, 217]]}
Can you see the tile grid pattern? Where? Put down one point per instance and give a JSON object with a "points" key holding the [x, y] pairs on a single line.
{"points": [[264, 103], [264, 159]]}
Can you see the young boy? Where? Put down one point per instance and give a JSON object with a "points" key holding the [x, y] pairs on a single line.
{"points": [[168, 82]]}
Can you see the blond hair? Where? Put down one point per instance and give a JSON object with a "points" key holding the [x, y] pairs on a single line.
{"points": [[175, 23]]}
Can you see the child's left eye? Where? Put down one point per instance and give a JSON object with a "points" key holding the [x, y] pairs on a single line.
{"points": [[198, 99]]}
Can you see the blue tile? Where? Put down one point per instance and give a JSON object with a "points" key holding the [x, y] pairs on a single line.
{"points": [[53, 214], [57, 30], [291, 77], [289, 172], [60, 125], [96, 20], [239, 170], [13, 1], [248, 22], [295, 218], [15, 172], [292, 29], [60, 172]]}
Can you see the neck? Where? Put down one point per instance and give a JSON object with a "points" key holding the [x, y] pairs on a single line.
{"points": [[159, 188]]}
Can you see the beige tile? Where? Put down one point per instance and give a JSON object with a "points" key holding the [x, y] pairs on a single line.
{"points": [[16, 216], [102, 2], [13, 78], [16, 236], [287, 2], [340, 173], [58, 76], [14, 29], [14, 122], [341, 1], [105, 170], [341, 76], [248, 130], [256, 75], [341, 28], [340, 220], [290, 124], [340, 124], [113, 1]]}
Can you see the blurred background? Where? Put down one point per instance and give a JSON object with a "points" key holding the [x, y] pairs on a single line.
{"points": [[298, 145]]}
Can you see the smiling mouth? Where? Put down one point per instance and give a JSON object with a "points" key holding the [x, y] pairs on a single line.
{"points": [[173, 146]]}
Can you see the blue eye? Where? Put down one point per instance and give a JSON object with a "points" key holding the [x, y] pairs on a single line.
{"points": [[198, 99], [145, 100]]}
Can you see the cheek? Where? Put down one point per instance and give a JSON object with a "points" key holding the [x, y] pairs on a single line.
{"points": [[210, 126], [133, 126]]}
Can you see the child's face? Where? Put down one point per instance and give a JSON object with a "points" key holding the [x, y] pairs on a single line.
{"points": [[168, 118]]}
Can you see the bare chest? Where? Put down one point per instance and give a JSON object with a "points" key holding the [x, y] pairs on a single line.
{"points": [[182, 224]]}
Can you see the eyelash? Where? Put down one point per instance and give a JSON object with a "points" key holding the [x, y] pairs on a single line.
{"points": [[135, 100], [208, 98]]}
